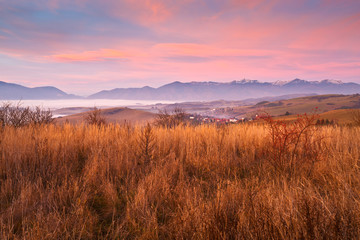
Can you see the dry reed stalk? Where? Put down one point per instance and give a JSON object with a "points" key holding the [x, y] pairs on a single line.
{"points": [[185, 182]]}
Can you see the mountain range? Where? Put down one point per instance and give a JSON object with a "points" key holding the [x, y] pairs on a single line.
{"points": [[11, 91], [235, 90], [191, 91]]}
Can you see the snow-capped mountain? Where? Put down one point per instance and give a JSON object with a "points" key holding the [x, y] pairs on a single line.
{"points": [[235, 90]]}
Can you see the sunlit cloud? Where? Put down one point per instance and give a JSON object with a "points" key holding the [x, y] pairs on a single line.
{"points": [[90, 56]]}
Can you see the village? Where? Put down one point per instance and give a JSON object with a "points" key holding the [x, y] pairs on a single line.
{"points": [[199, 119]]}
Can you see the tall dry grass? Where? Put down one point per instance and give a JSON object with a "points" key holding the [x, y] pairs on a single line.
{"points": [[202, 182]]}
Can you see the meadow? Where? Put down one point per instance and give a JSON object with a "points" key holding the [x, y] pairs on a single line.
{"points": [[242, 181]]}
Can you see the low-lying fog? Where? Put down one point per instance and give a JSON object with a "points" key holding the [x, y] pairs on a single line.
{"points": [[99, 103], [62, 108]]}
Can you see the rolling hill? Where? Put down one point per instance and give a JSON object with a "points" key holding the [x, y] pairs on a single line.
{"points": [[112, 115], [322, 104], [340, 116]]}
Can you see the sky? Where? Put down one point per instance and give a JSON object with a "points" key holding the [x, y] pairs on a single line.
{"points": [[84, 46]]}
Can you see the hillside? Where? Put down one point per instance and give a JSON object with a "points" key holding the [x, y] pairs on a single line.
{"points": [[340, 116], [200, 107], [322, 104], [113, 115]]}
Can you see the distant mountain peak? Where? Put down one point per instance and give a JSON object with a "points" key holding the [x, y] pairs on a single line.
{"points": [[244, 81], [332, 81], [280, 83], [298, 81], [204, 83], [11, 91], [147, 87], [301, 81]]}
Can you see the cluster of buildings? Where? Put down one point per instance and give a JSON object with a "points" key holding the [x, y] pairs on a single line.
{"points": [[198, 119]]}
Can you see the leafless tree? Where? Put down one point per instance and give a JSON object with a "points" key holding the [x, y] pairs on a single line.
{"points": [[171, 119], [17, 116], [95, 117]]}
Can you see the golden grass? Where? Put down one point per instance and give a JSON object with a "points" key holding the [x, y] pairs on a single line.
{"points": [[340, 116], [203, 182], [323, 103]]}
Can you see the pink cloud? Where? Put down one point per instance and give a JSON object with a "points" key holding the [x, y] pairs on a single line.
{"points": [[144, 12], [90, 56], [206, 50], [7, 31], [340, 34], [334, 66], [152, 12], [264, 4]]}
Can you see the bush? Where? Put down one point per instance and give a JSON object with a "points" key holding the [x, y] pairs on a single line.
{"points": [[172, 119], [18, 116], [94, 117], [294, 145]]}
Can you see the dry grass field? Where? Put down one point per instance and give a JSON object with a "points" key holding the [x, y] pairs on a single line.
{"points": [[245, 181]]}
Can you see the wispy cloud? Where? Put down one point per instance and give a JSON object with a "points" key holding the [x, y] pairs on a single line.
{"points": [[90, 56]]}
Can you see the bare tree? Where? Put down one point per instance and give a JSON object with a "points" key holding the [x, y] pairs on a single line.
{"points": [[18, 116], [170, 119], [41, 116], [94, 117], [4, 114]]}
